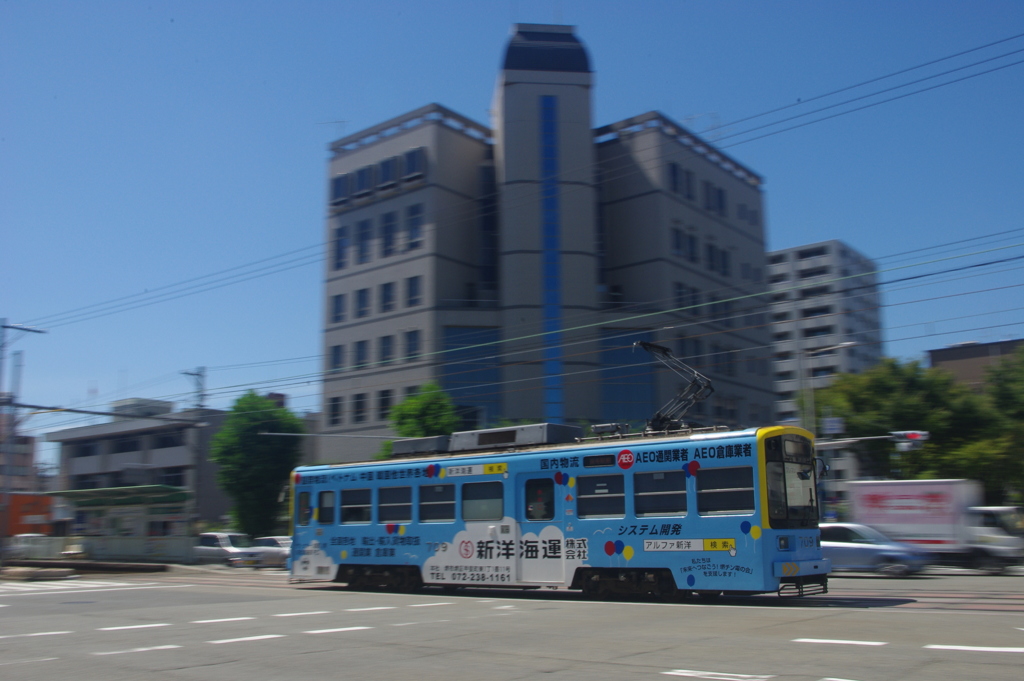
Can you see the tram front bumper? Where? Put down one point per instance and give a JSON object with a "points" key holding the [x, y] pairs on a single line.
{"points": [[794, 568]]}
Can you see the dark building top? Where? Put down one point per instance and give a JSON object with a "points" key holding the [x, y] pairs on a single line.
{"points": [[536, 47]]}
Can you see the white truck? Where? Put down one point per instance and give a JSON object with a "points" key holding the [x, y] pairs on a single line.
{"points": [[944, 517]]}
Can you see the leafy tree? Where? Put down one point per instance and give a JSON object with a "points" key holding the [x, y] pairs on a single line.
{"points": [[905, 396], [429, 412], [254, 467]]}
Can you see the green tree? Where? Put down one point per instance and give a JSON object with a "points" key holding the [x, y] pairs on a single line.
{"points": [[253, 467], [905, 396], [428, 412]]}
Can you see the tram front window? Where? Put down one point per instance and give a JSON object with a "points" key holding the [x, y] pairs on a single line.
{"points": [[792, 497]]}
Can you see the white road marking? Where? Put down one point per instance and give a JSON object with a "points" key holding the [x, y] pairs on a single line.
{"points": [[247, 638], [380, 607], [135, 626], [504, 607], [718, 676], [332, 631], [303, 614], [979, 649], [87, 591], [409, 624], [427, 605], [136, 650], [832, 678], [841, 642], [38, 659], [38, 633], [226, 619]]}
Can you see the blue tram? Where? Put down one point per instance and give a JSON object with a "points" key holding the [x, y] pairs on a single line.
{"points": [[701, 511]]}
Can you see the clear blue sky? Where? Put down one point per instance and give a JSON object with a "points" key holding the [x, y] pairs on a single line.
{"points": [[146, 144]]}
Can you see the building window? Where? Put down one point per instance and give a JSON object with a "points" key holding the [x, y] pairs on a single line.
{"points": [[688, 184], [780, 316], [675, 181], [359, 408], [340, 190], [387, 349], [677, 241], [342, 241], [724, 263], [695, 298], [126, 444], [414, 226], [169, 439], [363, 302], [388, 234], [384, 398], [412, 345], [411, 391], [337, 357], [678, 295], [692, 248], [812, 252], [813, 272], [817, 311], [778, 258], [782, 336], [334, 405], [415, 163], [364, 181], [819, 372], [338, 308], [413, 294], [819, 331], [364, 237], [362, 354], [175, 476], [388, 172], [387, 297]]}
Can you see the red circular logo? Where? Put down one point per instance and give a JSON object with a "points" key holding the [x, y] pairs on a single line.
{"points": [[466, 549], [625, 459]]}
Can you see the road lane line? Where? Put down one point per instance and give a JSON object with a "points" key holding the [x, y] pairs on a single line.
{"points": [[88, 591], [979, 649], [38, 633], [841, 642], [380, 607], [226, 619], [332, 631], [427, 605], [135, 626], [247, 638], [37, 659], [302, 614], [136, 650], [719, 676]]}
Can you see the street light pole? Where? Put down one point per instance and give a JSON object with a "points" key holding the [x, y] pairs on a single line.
{"points": [[813, 425]]}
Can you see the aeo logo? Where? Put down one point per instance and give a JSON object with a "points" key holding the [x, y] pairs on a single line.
{"points": [[625, 459]]}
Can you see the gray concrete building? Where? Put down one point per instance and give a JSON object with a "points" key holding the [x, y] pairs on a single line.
{"points": [[517, 264], [823, 296]]}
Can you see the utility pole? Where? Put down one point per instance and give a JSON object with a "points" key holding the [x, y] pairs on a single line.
{"points": [[199, 377], [8, 424]]}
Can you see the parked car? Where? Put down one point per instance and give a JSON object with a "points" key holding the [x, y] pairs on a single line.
{"points": [[275, 550], [17, 547], [220, 547], [859, 547]]}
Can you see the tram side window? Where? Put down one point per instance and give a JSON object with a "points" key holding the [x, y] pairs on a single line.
{"points": [[355, 507], [483, 501], [325, 508], [601, 496], [394, 504], [659, 494], [437, 503], [540, 499], [305, 510], [722, 491]]}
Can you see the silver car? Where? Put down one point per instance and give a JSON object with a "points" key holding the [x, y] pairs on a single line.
{"points": [[275, 550], [220, 547], [858, 547]]}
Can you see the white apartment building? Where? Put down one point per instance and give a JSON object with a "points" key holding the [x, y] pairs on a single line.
{"points": [[517, 264]]}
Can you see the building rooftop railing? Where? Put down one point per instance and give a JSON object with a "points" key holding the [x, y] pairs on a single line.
{"points": [[424, 115]]}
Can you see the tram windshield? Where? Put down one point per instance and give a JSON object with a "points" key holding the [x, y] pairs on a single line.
{"points": [[792, 498]]}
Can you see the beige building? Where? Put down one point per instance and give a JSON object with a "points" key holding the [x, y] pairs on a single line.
{"points": [[969, 362], [516, 265]]}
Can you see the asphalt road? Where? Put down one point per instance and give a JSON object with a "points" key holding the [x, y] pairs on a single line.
{"points": [[245, 624]]}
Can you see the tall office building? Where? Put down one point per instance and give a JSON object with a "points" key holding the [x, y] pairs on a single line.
{"points": [[516, 265], [826, 318]]}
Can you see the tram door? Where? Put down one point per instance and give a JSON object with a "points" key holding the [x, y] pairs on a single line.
{"points": [[541, 556]]}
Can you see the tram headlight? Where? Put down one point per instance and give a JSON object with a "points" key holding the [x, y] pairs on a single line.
{"points": [[783, 542]]}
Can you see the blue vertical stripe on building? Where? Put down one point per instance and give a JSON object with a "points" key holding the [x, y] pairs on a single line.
{"points": [[554, 410]]}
